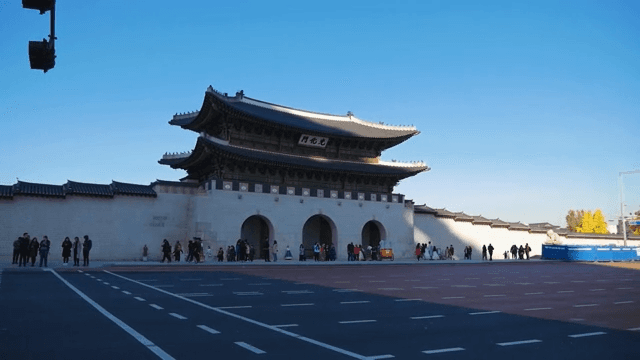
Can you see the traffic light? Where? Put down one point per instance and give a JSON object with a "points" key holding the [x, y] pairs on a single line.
{"points": [[42, 54]]}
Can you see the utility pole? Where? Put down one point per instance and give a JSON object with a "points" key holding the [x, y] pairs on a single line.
{"points": [[624, 224]]}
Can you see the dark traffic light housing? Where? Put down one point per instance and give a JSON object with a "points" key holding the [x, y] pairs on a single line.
{"points": [[42, 54]]}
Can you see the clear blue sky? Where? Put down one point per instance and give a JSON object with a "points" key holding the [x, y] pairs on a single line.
{"points": [[526, 109]]}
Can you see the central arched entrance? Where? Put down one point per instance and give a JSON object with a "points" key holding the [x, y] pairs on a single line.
{"points": [[255, 230], [373, 233], [318, 229]]}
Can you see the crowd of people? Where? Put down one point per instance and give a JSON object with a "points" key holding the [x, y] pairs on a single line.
{"points": [[521, 252], [363, 253], [195, 251], [26, 249]]}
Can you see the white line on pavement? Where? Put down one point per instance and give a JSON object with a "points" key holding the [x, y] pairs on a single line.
{"points": [[625, 288], [472, 278], [622, 302], [250, 348], [493, 284], [178, 316], [524, 283], [356, 321], [163, 285], [115, 287], [425, 287], [484, 312], [587, 334], [149, 280], [307, 304], [438, 351], [80, 271], [195, 294], [408, 300], [376, 357], [585, 305], [246, 319], [535, 293], [285, 325], [634, 329], [106, 283], [98, 279], [452, 297], [208, 329], [126, 292], [139, 298], [463, 286], [536, 309], [143, 340], [355, 302], [248, 293], [156, 306], [427, 317], [390, 289], [519, 342]]}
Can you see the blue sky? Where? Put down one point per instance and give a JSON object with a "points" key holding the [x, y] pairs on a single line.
{"points": [[526, 109]]}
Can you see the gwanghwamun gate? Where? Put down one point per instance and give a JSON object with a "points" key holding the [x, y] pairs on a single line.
{"points": [[257, 171]]}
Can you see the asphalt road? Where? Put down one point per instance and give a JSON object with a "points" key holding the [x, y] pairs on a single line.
{"points": [[338, 312]]}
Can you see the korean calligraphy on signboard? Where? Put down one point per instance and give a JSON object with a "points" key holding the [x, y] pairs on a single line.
{"points": [[313, 141]]}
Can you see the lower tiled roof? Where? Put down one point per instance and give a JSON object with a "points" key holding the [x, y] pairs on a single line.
{"points": [[25, 188], [6, 191], [133, 189], [78, 188], [75, 188]]}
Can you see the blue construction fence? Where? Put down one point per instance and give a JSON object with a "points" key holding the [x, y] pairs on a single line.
{"points": [[590, 253]]}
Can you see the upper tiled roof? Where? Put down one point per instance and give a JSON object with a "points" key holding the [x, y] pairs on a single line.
{"points": [[518, 226], [207, 146], [460, 216], [133, 189], [480, 220], [316, 123], [424, 209], [499, 223], [78, 188], [25, 188], [445, 213], [6, 191]]}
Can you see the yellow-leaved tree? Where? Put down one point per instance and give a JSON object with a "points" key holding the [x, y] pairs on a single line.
{"points": [[592, 224]]}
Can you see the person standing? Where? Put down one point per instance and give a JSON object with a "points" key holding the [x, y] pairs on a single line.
{"points": [[274, 250], [77, 249], [490, 248], [86, 248], [66, 250], [301, 256], [177, 250], [166, 251], [16, 251], [527, 249], [45, 246], [33, 250], [484, 252], [514, 251], [316, 252]]}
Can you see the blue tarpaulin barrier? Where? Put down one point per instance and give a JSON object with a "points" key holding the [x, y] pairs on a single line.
{"points": [[590, 253]]}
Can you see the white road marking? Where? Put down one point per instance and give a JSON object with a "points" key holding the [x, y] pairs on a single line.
{"points": [[293, 292], [390, 289], [190, 279], [195, 294], [234, 307], [587, 334], [248, 293], [250, 348], [519, 342], [356, 321], [596, 289], [494, 295], [98, 279], [106, 283], [575, 319], [602, 280], [425, 287], [307, 304], [178, 316], [149, 280], [156, 306], [427, 317], [625, 288], [408, 300], [565, 291], [87, 274], [535, 293], [634, 329], [126, 292], [452, 297], [438, 351], [211, 284], [355, 302], [246, 319], [524, 283], [80, 271], [139, 298], [208, 329], [585, 305], [163, 286], [536, 309], [463, 286], [622, 302], [376, 357], [143, 340], [115, 287], [485, 312], [285, 325]]}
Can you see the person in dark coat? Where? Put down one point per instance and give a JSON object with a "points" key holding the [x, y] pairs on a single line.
{"points": [[521, 253], [177, 250], [484, 252], [490, 248], [33, 250], [77, 249], [16, 251], [24, 250], [86, 248], [527, 249], [45, 246], [514, 251], [66, 250], [166, 251]]}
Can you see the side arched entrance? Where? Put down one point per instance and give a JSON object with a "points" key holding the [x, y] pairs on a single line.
{"points": [[255, 230], [319, 229], [373, 233]]}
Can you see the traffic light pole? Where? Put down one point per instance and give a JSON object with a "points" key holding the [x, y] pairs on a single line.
{"points": [[52, 35], [624, 224]]}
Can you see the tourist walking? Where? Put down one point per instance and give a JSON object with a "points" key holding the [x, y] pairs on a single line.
{"points": [[86, 248], [177, 250], [166, 251], [66, 250], [514, 251], [484, 252], [490, 248], [45, 246], [77, 249], [301, 256]]}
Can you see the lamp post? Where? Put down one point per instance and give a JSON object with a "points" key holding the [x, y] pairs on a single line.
{"points": [[624, 224]]}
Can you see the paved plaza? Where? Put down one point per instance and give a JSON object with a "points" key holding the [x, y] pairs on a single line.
{"points": [[341, 310]]}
